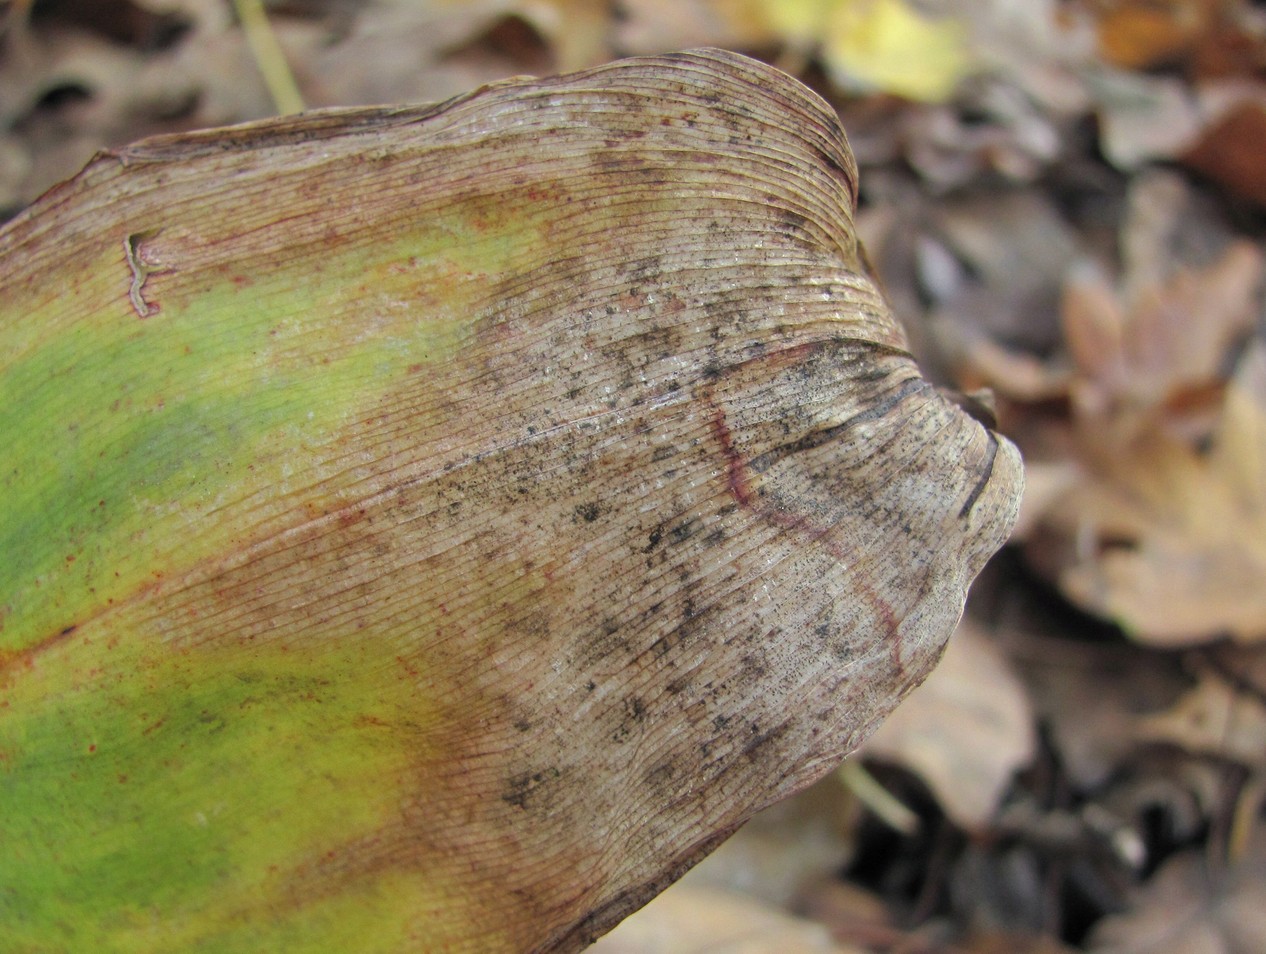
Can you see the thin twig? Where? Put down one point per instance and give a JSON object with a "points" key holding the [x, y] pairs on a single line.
{"points": [[269, 56], [885, 806]]}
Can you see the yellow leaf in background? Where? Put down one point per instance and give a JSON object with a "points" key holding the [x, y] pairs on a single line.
{"points": [[800, 22], [883, 44]]}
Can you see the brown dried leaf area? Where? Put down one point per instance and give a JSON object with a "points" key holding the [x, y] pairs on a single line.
{"points": [[1063, 201]]}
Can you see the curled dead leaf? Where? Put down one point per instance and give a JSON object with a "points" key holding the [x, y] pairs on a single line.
{"points": [[440, 526]]}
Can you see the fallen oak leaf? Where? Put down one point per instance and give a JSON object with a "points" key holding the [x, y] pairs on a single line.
{"points": [[1143, 364], [1167, 541]]}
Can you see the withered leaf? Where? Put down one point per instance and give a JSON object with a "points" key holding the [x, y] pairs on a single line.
{"points": [[436, 527], [1167, 540], [1145, 363]]}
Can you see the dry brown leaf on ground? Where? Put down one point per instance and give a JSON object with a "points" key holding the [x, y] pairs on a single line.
{"points": [[411, 51], [1151, 350], [1153, 513], [1015, 246], [66, 92], [1168, 541], [1245, 665], [689, 919], [79, 78], [578, 32], [1216, 718], [1000, 943], [855, 915], [1168, 78], [1216, 127], [1191, 907], [1229, 148], [1143, 118], [981, 268], [991, 128], [1199, 37], [1148, 347], [1150, 363], [965, 731], [650, 26], [83, 77]]}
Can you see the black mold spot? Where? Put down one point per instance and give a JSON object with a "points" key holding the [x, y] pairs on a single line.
{"points": [[682, 532], [634, 715], [760, 740], [522, 788], [677, 686]]}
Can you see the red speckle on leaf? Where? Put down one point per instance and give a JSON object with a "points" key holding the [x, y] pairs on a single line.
{"points": [[407, 667]]}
